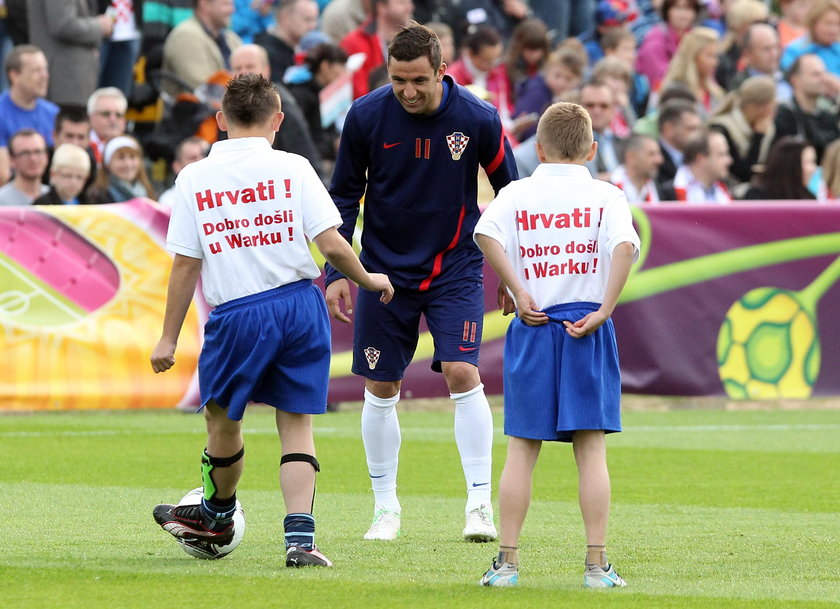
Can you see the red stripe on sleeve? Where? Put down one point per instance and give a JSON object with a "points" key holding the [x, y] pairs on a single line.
{"points": [[500, 156]]}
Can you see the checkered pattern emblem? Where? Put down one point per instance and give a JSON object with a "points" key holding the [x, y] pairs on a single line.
{"points": [[372, 356], [457, 142], [122, 10]]}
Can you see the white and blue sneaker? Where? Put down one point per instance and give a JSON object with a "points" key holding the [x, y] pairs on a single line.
{"points": [[385, 525], [505, 575], [595, 576], [479, 525]]}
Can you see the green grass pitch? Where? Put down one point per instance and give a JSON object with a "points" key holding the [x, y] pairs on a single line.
{"points": [[711, 509]]}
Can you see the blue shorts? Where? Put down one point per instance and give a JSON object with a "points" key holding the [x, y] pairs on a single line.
{"points": [[556, 384], [272, 347], [385, 336]]}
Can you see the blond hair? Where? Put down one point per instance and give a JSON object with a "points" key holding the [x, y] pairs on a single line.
{"points": [[71, 156], [565, 132], [817, 10], [683, 66], [739, 15], [757, 90]]}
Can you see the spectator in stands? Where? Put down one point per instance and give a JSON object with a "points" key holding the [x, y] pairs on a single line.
{"points": [[791, 22], [599, 101], [479, 64], [560, 77], [159, 18], [822, 39], [621, 43], [201, 45], [787, 173], [187, 151], [293, 19], [70, 37], [661, 42], [740, 15], [23, 105], [123, 175], [636, 176], [761, 56], [321, 66], [618, 77], [340, 17], [804, 115], [374, 35], [830, 180], [252, 17], [502, 15], [72, 126], [106, 109], [68, 174], [120, 50], [694, 64], [679, 123], [745, 118], [610, 15], [28, 158], [701, 178], [447, 40], [527, 51], [294, 135]]}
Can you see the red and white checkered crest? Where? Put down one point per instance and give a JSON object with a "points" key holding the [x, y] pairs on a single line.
{"points": [[457, 142], [372, 356]]}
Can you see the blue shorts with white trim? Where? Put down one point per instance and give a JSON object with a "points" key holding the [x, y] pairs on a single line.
{"points": [[555, 384], [272, 347]]}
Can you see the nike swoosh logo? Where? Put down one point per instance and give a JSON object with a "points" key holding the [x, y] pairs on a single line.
{"points": [[475, 484], [463, 348], [382, 476], [386, 146]]}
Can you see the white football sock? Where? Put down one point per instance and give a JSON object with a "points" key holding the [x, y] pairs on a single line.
{"points": [[381, 437], [474, 437]]}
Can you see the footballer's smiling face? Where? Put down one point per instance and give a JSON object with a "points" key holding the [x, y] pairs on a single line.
{"points": [[416, 84]]}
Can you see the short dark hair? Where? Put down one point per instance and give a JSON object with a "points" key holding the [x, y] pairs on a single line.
{"points": [[14, 60], [480, 36], [70, 113], [324, 52], [413, 41], [249, 99], [696, 146], [672, 111], [22, 133]]}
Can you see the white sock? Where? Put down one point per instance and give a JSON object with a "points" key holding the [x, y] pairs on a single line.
{"points": [[381, 437], [474, 437]]}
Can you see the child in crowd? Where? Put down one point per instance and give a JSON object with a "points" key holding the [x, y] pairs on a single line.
{"points": [[563, 244], [123, 175], [68, 173]]}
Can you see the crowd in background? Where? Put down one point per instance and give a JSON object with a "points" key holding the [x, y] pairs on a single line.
{"points": [[699, 101]]}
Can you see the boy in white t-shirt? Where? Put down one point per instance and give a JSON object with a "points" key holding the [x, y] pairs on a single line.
{"points": [[563, 244], [242, 219]]}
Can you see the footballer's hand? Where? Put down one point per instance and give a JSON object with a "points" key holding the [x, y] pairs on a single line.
{"points": [[163, 356], [504, 301], [528, 310], [586, 325], [337, 292], [380, 283]]}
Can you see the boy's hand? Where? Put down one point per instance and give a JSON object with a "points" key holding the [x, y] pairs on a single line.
{"points": [[587, 325], [504, 301], [163, 357], [528, 310], [337, 292], [381, 283]]}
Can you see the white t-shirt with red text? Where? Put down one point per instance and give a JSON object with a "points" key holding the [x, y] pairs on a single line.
{"points": [[559, 228], [247, 211]]}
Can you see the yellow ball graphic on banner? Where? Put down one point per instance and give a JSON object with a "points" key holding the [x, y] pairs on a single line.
{"points": [[768, 346]]}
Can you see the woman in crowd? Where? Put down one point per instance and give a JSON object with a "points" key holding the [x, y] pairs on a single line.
{"points": [[527, 50], [661, 42], [694, 64], [123, 174], [790, 166]]}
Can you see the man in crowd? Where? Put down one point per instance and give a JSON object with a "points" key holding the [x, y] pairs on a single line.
{"points": [[678, 123], [106, 109], [761, 56], [293, 20], [28, 156], [188, 151], [636, 175], [700, 179]]}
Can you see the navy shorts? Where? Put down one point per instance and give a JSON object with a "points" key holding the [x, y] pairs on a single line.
{"points": [[556, 384], [385, 336], [272, 347]]}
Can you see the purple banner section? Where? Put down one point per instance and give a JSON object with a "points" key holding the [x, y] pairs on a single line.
{"points": [[739, 300]]}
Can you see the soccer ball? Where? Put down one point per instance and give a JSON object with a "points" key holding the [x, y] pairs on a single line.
{"points": [[207, 550], [768, 347]]}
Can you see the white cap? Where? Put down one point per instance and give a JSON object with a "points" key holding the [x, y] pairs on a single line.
{"points": [[121, 141]]}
